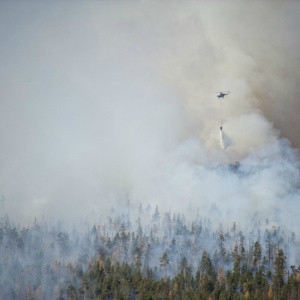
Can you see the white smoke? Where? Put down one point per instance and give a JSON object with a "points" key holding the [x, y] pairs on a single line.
{"points": [[105, 102]]}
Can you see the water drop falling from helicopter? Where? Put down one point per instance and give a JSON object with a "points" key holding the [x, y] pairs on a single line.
{"points": [[222, 142]]}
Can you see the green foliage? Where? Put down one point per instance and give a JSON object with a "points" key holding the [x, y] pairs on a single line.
{"points": [[114, 281], [169, 259]]}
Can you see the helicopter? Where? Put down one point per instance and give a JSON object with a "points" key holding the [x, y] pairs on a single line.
{"points": [[222, 95]]}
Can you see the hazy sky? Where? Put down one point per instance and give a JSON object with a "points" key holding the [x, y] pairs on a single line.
{"points": [[106, 98]]}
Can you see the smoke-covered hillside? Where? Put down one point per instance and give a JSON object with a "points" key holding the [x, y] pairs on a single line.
{"points": [[102, 100], [49, 262]]}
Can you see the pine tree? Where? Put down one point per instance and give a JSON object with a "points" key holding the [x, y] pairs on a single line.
{"points": [[279, 265], [269, 248], [164, 261], [236, 268], [147, 258], [270, 293], [256, 255], [207, 274], [221, 245], [156, 215], [242, 251]]}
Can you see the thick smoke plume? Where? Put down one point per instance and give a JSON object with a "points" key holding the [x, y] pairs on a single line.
{"points": [[115, 103]]}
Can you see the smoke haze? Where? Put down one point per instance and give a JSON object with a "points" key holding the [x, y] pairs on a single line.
{"points": [[102, 103]]}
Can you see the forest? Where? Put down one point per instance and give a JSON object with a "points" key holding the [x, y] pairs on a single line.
{"points": [[145, 254]]}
